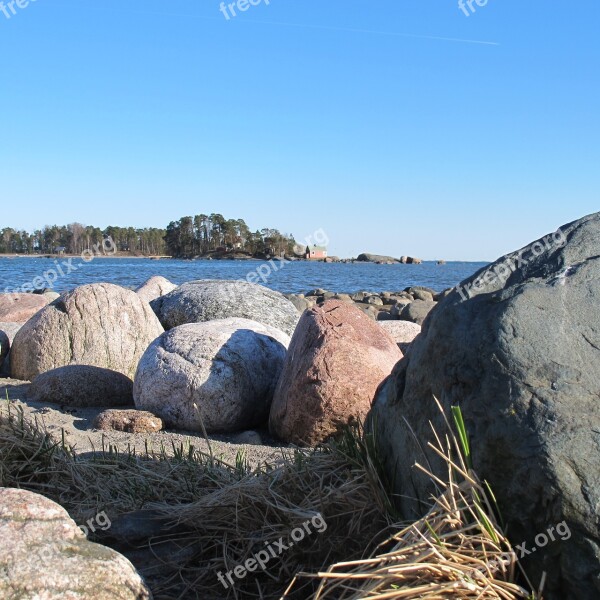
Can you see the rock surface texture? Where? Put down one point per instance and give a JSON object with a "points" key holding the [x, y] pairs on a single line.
{"points": [[207, 300], [417, 311], [131, 421], [7, 335], [154, 288], [517, 347], [18, 308], [82, 386], [403, 332], [221, 373], [337, 358], [101, 325], [45, 556]]}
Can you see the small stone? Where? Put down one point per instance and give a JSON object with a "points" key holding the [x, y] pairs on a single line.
{"points": [[130, 421]]}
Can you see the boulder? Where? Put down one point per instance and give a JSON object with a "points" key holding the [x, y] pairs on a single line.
{"points": [[221, 373], [154, 288], [368, 310], [130, 421], [207, 300], [7, 335], [51, 296], [82, 386], [402, 332], [45, 555], [374, 300], [417, 311], [376, 258], [336, 360], [4, 347], [419, 288], [422, 295], [399, 306], [19, 308], [299, 301], [517, 347], [100, 324], [344, 298]]}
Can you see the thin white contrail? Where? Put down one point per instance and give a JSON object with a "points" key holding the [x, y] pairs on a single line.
{"points": [[375, 32], [299, 25]]}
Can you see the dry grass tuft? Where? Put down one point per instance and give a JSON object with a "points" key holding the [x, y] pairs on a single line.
{"points": [[196, 516]]}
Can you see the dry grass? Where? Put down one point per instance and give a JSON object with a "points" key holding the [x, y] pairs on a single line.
{"points": [[204, 516]]}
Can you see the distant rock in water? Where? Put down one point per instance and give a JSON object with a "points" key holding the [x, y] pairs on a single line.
{"points": [[337, 358], [210, 299], [376, 258], [517, 347], [46, 555], [410, 260]]}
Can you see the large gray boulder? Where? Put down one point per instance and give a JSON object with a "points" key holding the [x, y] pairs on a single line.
{"points": [[82, 386], [211, 299], [221, 373], [154, 288], [101, 325], [517, 347], [45, 555]]}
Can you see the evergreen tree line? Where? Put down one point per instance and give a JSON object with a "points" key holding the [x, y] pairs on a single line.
{"points": [[187, 237], [75, 238], [202, 234]]}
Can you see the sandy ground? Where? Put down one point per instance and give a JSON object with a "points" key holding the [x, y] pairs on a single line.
{"points": [[77, 424]]}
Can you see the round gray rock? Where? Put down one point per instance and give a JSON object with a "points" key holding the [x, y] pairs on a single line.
{"points": [[82, 386], [154, 288], [45, 555], [417, 311], [101, 325], [222, 373], [207, 300]]}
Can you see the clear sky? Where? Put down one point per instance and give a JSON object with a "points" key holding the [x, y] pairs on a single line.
{"points": [[354, 117]]}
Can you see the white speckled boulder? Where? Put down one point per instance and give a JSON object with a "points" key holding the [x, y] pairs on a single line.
{"points": [[207, 300], [45, 556], [101, 325], [221, 372]]}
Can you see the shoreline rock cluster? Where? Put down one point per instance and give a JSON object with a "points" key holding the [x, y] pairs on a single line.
{"points": [[212, 355]]}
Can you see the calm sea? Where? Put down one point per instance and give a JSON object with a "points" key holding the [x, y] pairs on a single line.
{"points": [[290, 277]]}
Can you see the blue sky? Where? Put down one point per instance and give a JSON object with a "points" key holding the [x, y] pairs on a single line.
{"points": [[347, 116]]}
